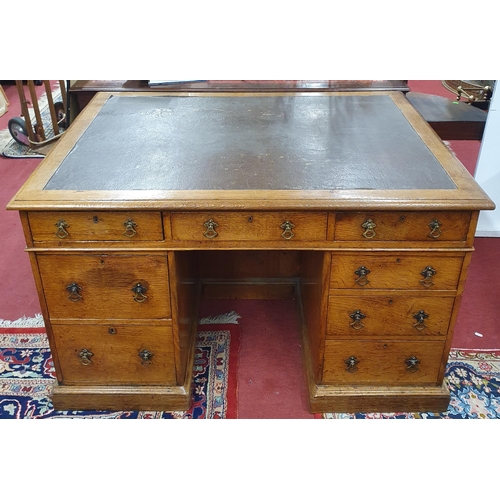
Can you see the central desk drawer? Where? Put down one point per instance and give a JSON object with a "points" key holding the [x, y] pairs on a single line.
{"points": [[116, 354], [401, 226], [96, 226], [364, 271], [361, 316], [105, 286], [249, 226], [382, 362]]}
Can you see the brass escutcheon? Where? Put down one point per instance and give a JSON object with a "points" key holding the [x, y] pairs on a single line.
{"points": [[85, 356], [362, 272], [61, 229], [74, 290], [351, 363], [145, 356], [427, 273], [412, 364], [139, 291], [357, 316], [421, 316], [130, 226], [287, 227], [369, 227], [435, 226], [210, 232]]}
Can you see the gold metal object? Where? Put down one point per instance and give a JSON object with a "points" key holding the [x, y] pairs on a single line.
{"points": [[357, 316], [435, 226], [412, 364], [130, 226], [362, 272], [210, 232], [85, 356], [427, 273], [287, 227], [139, 291], [421, 316], [145, 356], [351, 363], [369, 227], [74, 290], [61, 229]]}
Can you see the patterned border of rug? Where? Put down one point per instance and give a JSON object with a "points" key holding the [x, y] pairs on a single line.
{"points": [[11, 149], [473, 377], [27, 374]]}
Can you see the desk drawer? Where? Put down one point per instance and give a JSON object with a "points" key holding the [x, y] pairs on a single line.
{"points": [[96, 226], [249, 226], [401, 226], [364, 271], [382, 362], [362, 316], [105, 286], [115, 354]]}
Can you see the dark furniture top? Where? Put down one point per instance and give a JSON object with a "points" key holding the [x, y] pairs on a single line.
{"points": [[240, 85], [307, 142], [451, 120]]}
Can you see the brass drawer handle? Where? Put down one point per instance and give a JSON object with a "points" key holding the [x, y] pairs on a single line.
{"points": [[427, 273], [421, 316], [357, 316], [210, 232], [130, 226], [61, 229], [85, 356], [74, 290], [362, 272], [139, 291], [369, 227], [287, 227], [351, 363], [435, 226], [145, 356], [412, 364]]}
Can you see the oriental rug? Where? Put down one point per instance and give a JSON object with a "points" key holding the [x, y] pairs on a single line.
{"points": [[473, 378], [27, 375]]}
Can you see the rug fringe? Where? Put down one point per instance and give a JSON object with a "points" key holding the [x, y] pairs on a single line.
{"points": [[221, 319], [24, 322]]}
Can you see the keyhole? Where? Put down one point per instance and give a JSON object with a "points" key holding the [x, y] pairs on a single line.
{"points": [[390, 301], [95, 219], [250, 219]]}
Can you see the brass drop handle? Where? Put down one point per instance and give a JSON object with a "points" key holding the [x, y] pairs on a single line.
{"points": [[362, 273], [412, 364], [435, 226], [130, 226], [74, 290], [351, 363], [421, 316], [211, 225], [427, 273], [369, 227], [357, 316], [61, 229], [85, 356], [287, 227], [145, 356], [139, 291]]}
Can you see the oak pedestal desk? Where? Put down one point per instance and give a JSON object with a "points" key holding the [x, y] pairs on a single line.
{"points": [[347, 201]]}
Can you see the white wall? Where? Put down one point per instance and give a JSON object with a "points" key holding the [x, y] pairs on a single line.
{"points": [[488, 168]]}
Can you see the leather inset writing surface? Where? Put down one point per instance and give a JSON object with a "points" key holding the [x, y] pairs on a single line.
{"points": [[265, 142]]}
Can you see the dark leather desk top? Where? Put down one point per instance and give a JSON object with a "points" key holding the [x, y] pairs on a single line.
{"points": [[309, 142]]}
